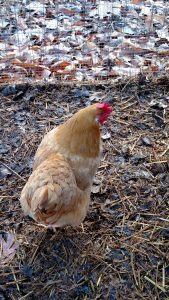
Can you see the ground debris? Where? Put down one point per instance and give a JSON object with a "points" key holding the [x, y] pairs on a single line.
{"points": [[122, 250]]}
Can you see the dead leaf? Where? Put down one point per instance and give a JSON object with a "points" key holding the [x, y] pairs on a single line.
{"points": [[60, 65], [95, 189], [154, 68], [21, 23], [8, 247], [4, 78], [35, 48], [106, 136], [159, 18], [86, 62], [149, 23], [119, 62], [67, 12], [136, 1]]}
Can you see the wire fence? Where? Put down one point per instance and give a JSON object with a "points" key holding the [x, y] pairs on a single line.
{"points": [[82, 40]]}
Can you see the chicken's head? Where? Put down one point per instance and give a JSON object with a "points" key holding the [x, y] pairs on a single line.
{"points": [[93, 114]]}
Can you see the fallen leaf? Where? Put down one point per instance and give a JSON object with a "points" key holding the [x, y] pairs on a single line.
{"points": [[146, 141], [95, 189], [136, 1], [60, 65], [119, 62], [106, 136], [36, 7], [21, 23], [35, 48], [8, 247], [67, 12]]}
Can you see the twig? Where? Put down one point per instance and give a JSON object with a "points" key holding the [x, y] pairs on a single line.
{"points": [[17, 285], [122, 122], [165, 151], [129, 105], [133, 269], [98, 281], [13, 282], [163, 277], [162, 219], [115, 149], [12, 171], [155, 284], [127, 83], [132, 148], [156, 162], [24, 297], [36, 250]]}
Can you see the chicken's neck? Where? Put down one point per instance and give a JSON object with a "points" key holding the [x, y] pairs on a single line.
{"points": [[78, 139]]}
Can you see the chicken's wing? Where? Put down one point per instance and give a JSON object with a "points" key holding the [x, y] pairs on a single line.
{"points": [[51, 195]]}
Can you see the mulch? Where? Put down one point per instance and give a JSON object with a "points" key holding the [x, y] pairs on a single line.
{"points": [[121, 252]]}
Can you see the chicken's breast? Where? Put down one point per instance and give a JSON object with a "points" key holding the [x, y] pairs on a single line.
{"points": [[51, 196], [83, 168]]}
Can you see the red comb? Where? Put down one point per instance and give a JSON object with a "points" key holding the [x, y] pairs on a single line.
{"points": [[105, 106]]}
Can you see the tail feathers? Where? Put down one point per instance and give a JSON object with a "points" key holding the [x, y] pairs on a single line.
{"points": [[42, 205], [40, 199], [43, 198]]}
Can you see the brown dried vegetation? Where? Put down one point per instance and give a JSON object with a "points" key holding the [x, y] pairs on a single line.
{"points": [[122, 250]]}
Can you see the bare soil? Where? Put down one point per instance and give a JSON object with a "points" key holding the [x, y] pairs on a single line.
{"points": [[122, 250]]}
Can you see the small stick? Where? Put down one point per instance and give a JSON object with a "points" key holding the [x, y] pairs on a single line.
{"points": [[36, 250], [132, 148], [127, 101], [12, 171], [123, 222], [155, 284], [82, 227], [157, 162], [98, 281], [17, 285], [24, 297], [153, 230], [163, 278], [129, 105], [3, 197], [134, 273], [118, 151], [165, 151], [126, 85], [122, 122], [162, 219]]}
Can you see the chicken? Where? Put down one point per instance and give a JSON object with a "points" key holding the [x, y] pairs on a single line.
{"points": [[58, 191]]}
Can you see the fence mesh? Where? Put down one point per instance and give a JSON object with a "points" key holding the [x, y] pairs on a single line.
{"points": [[79, 40]]}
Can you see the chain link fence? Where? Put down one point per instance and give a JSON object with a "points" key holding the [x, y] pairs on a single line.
{"points": [[77, 40]]}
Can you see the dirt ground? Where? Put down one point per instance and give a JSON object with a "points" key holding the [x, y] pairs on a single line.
{"points": [[122, 251]]}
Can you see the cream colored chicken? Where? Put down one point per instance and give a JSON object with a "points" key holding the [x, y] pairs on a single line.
{"points": [[58, 191]]}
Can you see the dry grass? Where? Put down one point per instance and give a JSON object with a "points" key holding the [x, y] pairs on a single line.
{"points": [[122, 250]]}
